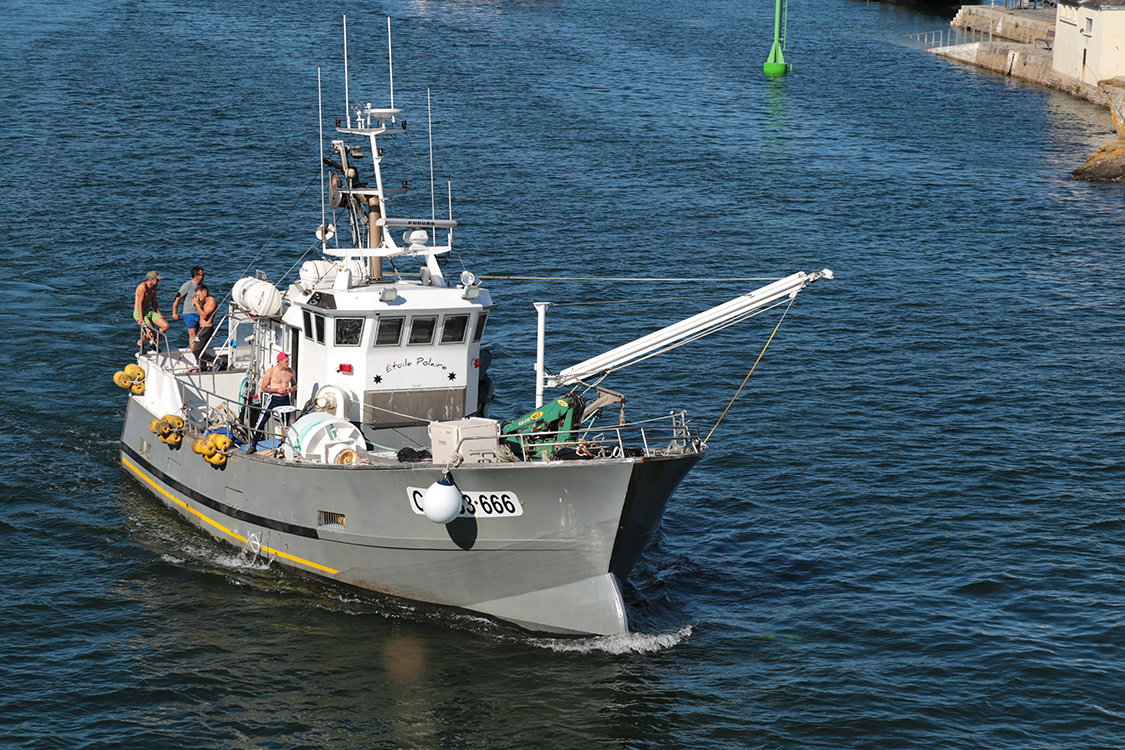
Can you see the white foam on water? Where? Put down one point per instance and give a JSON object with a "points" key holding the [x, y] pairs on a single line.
{"points": [[625, 643], [237, 561], [241, 561]]}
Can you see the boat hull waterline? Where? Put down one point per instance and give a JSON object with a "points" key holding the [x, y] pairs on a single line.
{"points": [[554, 569]]}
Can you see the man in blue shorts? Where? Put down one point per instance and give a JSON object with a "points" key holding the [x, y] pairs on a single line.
{"points": [[187, 294]]}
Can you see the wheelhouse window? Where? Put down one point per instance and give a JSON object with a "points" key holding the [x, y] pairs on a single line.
{"points": [[314, 327], [422, 330], [348, 331], [478, 334], [453, 330], [388, 331]]}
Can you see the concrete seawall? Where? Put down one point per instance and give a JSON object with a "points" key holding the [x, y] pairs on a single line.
{"points": [[1019, 25], [1020, 46], [1026, 62]]}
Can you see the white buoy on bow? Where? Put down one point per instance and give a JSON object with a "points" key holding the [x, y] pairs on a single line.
{"points": [[442, 501]]}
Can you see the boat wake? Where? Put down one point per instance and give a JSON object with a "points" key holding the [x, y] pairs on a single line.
{"points": [[626, 643], [237, 561]]}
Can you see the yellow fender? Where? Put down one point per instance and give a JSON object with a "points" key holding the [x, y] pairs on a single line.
{"points": [[217, 459], [122, 379], [173, 439], [137, 387], [200, 446], [134, 372], [176, 421], [152, 425], [220, 442], [163, 429]]}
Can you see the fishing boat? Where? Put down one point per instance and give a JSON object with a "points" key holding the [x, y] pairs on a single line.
{"points": [[386, 472]]}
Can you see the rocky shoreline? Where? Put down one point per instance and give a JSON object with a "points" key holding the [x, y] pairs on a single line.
{"points": [[1107, 164], [1017, 50]]}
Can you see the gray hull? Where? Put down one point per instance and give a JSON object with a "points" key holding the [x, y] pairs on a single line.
{"points": [[555, 568]]}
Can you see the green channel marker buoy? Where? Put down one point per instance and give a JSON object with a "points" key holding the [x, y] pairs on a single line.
{"points": [[775, 64]]}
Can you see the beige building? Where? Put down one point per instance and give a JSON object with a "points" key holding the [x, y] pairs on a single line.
{"points": [[1089, 39]]}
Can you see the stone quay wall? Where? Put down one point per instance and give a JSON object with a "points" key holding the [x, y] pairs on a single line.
{"points": [[1018, 26]]}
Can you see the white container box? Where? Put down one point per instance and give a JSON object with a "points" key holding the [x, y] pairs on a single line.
{"points": [[475, 439]]}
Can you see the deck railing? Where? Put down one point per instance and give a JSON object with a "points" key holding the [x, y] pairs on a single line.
{"points": [[662, 436], [208, 410]]}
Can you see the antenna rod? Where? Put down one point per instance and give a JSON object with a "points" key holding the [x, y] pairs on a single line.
{"points": [[430, 127], [390, 63], [320, 114], [347, 101]]}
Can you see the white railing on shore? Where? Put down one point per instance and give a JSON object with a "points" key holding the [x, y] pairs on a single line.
{"points": [[969, 34], [1019, 4], [950, 37], [930, 39]]}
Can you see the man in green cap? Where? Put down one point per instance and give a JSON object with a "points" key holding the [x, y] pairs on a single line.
{"points": [[146, 309]]}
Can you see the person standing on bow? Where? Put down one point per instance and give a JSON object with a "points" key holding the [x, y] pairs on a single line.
{"points": [[146, 310], [205, 306], [278, 384], [187, 294]]}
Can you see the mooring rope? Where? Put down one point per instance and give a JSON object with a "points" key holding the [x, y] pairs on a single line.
{"points": [[645, 299], [624, 278], [277, 229], [223, 318], [759, 359]]}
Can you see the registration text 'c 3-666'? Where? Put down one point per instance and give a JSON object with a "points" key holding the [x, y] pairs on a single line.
{"points": [[475, 504]]}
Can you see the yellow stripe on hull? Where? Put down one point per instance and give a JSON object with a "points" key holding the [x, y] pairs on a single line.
{"points": [[215, 524]]}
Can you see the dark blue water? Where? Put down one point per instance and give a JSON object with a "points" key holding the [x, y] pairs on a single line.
{"points": [[908, 532]]}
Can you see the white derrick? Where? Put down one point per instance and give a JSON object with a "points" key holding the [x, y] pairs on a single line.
{"points": [[705, 322]]}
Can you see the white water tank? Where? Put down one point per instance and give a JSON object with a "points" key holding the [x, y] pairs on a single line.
{"points": [[257, 296], [321, 438]]}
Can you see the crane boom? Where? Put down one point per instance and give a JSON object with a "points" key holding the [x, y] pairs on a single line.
{"points": [[703, 323]]}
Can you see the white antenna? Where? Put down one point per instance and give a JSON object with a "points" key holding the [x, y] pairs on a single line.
{"points": [[390, 63], [320, 114], [430, 128], [347, 101], [449, 232]]}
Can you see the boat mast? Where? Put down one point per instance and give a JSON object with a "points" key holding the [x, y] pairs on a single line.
{"points": [[371, 122], [322, 232]]}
